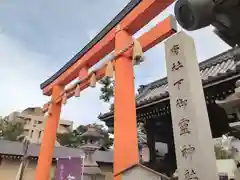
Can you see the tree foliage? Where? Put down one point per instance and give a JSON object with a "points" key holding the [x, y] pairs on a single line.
{"points": [[74, 139], [107, 89], [11, 130]]}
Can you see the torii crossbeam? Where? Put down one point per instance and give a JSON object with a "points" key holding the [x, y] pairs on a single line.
{"points": [[117, 36]]}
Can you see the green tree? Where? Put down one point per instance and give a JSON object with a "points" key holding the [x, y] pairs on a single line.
{"points": [[74, 139], [68, 139], [11, 130], [107, 141], [107, 89]]}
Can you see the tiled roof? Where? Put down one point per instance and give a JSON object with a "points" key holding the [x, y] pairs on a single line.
{"points": [[211, 70], [16, 148], [214, 69]]}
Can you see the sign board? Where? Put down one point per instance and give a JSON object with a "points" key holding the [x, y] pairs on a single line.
{"points": [[69, 168], [192, 133], [141, 172]]}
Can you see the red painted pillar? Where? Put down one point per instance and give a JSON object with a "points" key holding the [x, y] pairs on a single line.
{"points": [[49, 138], [125, 125]]}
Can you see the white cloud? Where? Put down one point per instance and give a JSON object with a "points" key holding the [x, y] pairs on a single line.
{"points": [[21, 72]]}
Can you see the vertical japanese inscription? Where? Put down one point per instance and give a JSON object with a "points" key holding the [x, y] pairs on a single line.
{"points": [[175, 49], [61, 172], [178, 83], [187, 151], [176, 66], [181, 103], [184, 126], [190, 174]]}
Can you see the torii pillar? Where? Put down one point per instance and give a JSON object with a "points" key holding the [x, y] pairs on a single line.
{"points": [[125, 123], [49, 137]]}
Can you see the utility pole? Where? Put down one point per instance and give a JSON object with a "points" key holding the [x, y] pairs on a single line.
{"points": [[26, 143]]}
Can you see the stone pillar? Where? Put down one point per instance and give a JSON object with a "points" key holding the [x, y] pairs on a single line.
{"points": [[49, 137], [192, 133]]}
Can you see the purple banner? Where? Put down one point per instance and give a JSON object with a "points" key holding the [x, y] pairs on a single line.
{"points": [[69, 168]]}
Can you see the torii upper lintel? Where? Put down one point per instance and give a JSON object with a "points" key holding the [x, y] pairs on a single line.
{"points": [[132, 18]]}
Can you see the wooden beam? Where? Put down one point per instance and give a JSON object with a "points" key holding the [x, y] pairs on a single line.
{"points": [[135, 20], [154, 36]]}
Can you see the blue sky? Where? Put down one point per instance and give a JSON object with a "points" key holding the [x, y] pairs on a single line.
{"points": [[39, 37]]}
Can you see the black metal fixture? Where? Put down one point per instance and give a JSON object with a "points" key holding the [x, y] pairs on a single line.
{"points": [[222, 14]]}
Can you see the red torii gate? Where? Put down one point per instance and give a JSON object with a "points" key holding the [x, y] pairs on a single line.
{"points": [[117, 35]]}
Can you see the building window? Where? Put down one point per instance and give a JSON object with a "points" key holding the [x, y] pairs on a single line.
{"points": [[28, 121], [31, 134], [39, 135]]}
